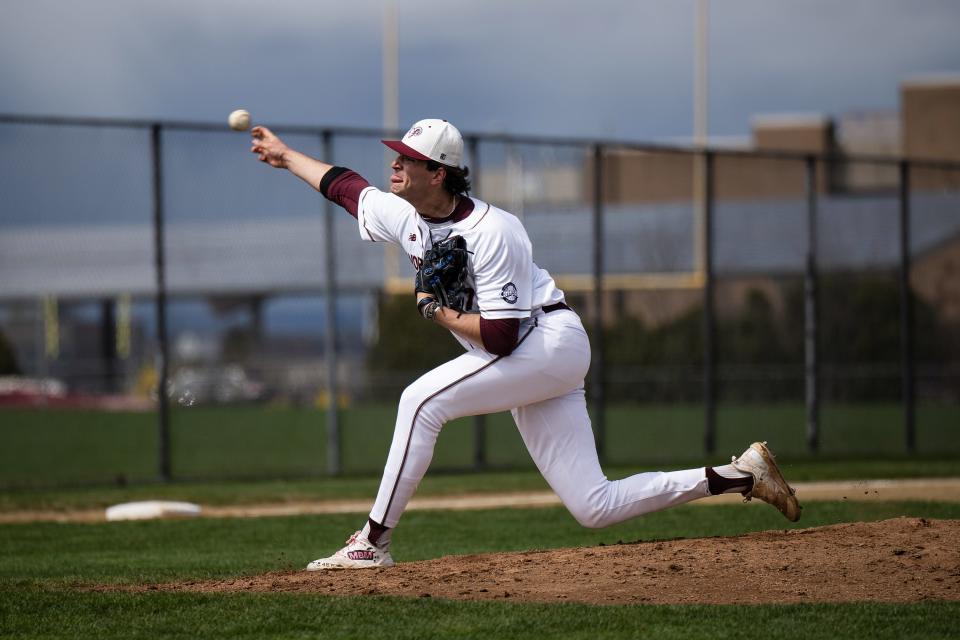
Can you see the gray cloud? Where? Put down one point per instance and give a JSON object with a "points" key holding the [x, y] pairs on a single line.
{"points": [[620, 68]]}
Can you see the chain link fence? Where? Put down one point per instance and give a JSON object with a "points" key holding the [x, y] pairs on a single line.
{"points": [[172, 309]]}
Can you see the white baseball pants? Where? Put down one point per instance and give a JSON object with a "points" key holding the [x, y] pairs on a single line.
{"points": [[541, 383]]}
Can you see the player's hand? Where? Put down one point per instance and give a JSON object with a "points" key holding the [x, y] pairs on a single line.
{"points": [[268, 147]]}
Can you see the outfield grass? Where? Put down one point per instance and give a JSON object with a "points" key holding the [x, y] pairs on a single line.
{"points": [[73, 447], [42, 563]]}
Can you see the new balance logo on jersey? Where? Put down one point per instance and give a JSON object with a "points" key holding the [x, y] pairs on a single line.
{"points": [[412, 237], [509, 293]]}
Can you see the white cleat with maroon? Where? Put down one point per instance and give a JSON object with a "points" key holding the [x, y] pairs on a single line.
{"points": [[359, 553]]}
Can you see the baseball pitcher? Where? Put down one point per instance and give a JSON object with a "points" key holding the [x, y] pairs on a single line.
{"points": [[525, 349]]}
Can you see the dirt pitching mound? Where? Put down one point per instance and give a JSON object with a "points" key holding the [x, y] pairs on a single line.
{"points": [[899, 560]]}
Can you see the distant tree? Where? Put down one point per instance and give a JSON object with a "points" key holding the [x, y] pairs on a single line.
{"points": [[861, 335], [753, 336], [407, 342], [664, 363], [659, 364]]}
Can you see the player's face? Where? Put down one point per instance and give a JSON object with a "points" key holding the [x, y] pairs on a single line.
{"points": [[411, 180]]}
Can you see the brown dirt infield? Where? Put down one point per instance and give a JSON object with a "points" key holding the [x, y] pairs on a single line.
{"points": [[898, 560]]}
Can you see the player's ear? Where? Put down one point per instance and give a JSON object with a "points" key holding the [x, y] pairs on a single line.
{"points": [[439, 176]]}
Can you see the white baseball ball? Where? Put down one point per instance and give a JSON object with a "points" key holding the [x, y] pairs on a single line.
{"points": [[239, 120]]}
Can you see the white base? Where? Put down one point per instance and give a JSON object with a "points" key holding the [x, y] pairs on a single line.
{"points": [[152, 509]]}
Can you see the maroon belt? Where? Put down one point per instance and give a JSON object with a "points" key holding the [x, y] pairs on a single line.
{"points": [[555, 307]]}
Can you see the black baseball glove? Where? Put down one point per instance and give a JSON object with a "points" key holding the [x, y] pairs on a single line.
{"points": [[444, 274]]}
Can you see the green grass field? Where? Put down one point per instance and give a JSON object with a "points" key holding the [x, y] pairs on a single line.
{"points": [[256, 616], [46, 448], [43, 566]]}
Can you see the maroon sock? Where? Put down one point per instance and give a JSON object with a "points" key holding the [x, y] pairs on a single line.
{"points": [[376, 530], [717, 484]]}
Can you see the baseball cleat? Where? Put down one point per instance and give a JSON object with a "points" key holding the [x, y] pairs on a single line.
{"points": [[359, 553], [768, 482]]}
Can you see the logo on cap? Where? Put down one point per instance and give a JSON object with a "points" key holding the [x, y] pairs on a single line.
{"points": [[415, 132]]}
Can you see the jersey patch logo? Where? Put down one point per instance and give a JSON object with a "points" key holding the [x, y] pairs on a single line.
{"points": [[509, 293], [412, 237]]}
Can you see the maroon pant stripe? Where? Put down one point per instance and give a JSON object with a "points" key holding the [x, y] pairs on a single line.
{"points": [[413, 423]]}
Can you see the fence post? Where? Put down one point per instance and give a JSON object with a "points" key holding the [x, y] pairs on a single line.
{"points": [[163, 356], [479, 422], [810, 309], [709, 319], [334, 466], [598, 378], [907, 352]]}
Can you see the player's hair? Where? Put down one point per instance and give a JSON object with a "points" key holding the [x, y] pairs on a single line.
{"points": [[456, 181]]}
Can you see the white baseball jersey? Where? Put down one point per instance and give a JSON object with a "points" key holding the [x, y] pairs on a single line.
{"points": [[500, 263], [540, 382]]}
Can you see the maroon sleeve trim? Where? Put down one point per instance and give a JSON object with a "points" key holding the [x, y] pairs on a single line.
{"points": [[500, 335], [332, 174], [343, 186]]}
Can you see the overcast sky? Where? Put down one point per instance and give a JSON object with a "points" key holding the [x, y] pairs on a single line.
{"points": [[603, 68]]}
